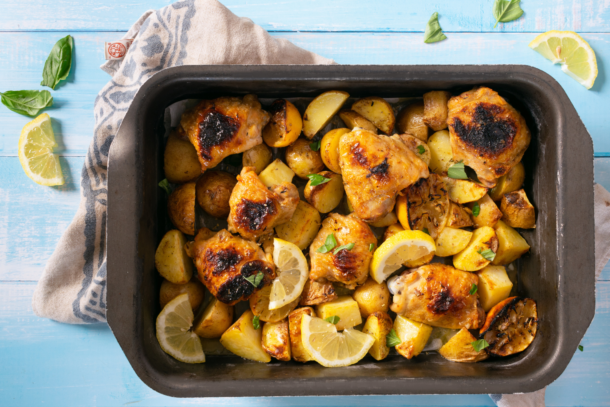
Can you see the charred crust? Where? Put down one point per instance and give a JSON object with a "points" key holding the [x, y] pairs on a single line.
{"points": [[278, 113], [220, 261], [359, 155], [254, 267], [442, 301], [380, 170], [215, 129], [234, 289], [252, 215], [347, 264]]}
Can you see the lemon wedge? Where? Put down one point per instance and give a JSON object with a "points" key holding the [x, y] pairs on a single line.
{"points": [[331, 348], [36, 156], [569, 49], [174, 331], [292, 271], [403, 247]]}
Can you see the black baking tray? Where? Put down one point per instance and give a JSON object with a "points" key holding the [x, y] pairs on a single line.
{"points": [[558, 273]]}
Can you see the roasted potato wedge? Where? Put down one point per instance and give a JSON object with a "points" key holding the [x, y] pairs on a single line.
{"points": [[428, 205], [511, 245], [441, 155], [411, 120], [171, 259], [327, 196], [214, 321], [471, 258], [315, 293], [458, 217], [321, 110], [488, 215], [372, 297], [299, 353], [213, 192], [193, 288], [258, 157], [302, 228], [345, 307], [518, 211], [379, 325], [353, 119], [285, 125], [276, 340], [494, 286], [245, 341], [452, 241], [302, 159], [413, 336], [377, 111], [421, 149], [180, 162], [463, 191], [259, 304], [276, 173], [510, 326], [389, 219], [436, 110], [329, 149], [460, 348], [181, 207], [512, 181]]}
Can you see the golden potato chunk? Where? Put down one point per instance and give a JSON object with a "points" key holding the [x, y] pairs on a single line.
{"points": [[214, 321], [329, 149], [353, 120], [436, 110], [518, 211], [452, 241], [326, 196], [259, 304], [483, 243], [181, 207], [276, 340], [343, 307], [458, 217], [372, 297], [463, 191], [488, 212], [302, 159], [379, 325], [180, 162], [302, 228], [245, 341], [377, 111], [258, 157], [321, 110], [193, 288], [285, 125], [299, 353], [213, 192], [494, 286], [413, 336], [389, 219], [511, 245], [276, 173], [512, 181], [411, 120], [441, 156], [317, 293], [171, 259], [460, 348]]}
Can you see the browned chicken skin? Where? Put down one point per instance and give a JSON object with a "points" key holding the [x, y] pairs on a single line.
{"points": [[375, 168], [437, 295], [486, 133], [224, 126], [255, 209], [349, 267], [225, 261]]}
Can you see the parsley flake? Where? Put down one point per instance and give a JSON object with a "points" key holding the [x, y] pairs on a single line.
{"points": [[476, 209], [457, 171], [581, 348], [165, 185], [371, 247], [506, 10], [255, 280], [315, 146], [256, 321], [392, 339], [329, 244], [479, 345], [317, 179], [488, 254], [434, 32], [421, 149], [473, 289], [349, 246], [333, 320], [426, 231]]}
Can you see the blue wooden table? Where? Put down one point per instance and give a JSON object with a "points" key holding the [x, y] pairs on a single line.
{"points": [[47, 363]]}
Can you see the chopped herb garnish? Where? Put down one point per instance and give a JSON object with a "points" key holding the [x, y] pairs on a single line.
{"points": [[349, 246], [421, 149], [457, 171], [426, 231], [315, 146], [476, 209], [165, 185], [333, 320], [256, 321], [255, 280], [371, 247], [507, 10], [434, 32], [329, 244], [488, 254], [317, 179], [581, 348], [473, 289], [479, 345], [392, 339]]}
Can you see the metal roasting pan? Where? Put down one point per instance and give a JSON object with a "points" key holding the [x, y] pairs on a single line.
{"points": [[558, 273]]}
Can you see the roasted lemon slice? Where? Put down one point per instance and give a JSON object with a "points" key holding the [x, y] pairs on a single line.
{"points": [[331, 348], [174, 331], [428, 205], [292, 271], [36, 156], [403, 247]]}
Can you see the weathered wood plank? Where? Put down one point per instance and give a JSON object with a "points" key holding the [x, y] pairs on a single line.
{"points": [[58, 364], [25, 54], [318, 15]]}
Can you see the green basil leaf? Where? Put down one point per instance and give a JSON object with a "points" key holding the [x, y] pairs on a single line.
{"points": [[487, 254], [421, 149], [457, 171], [426, 231], [507, 10], [349, 246], [165, 185], [479, 345], [315, 146], [581, 348], [256, 321], [392, 339], [27, 102], [473, 289], [58, 64], [434, 32], [329, 244], [371, 247], [476, 209], [317, 179], [255, 280], [333, 320]]}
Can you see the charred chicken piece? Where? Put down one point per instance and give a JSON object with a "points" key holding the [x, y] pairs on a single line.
{"points": [[225, 261], [486, 133], [349, 267], [255, 209], [221, 127], [510, 326], [375, 168], [437, 295]]}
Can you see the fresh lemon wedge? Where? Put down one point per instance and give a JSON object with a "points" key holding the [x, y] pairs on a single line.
{"points": [[331, 348], [36, 156], [174, 331], [403, 247], [292, 271], [569, 49]]}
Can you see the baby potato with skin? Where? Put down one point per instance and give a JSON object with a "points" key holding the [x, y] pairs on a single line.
{"points": [[193, 288], [302, 159], [181, 208], [213, 192], [285, 125], [327, 196], [436, 109], [372, 297], [258, 157], [180, 161], [411, 120]]}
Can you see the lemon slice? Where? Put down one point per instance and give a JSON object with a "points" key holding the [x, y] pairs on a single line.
{"points": [[569, 49], [292, 271], [174, 331], [331, 348], [36, 156], [403, 247]]}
